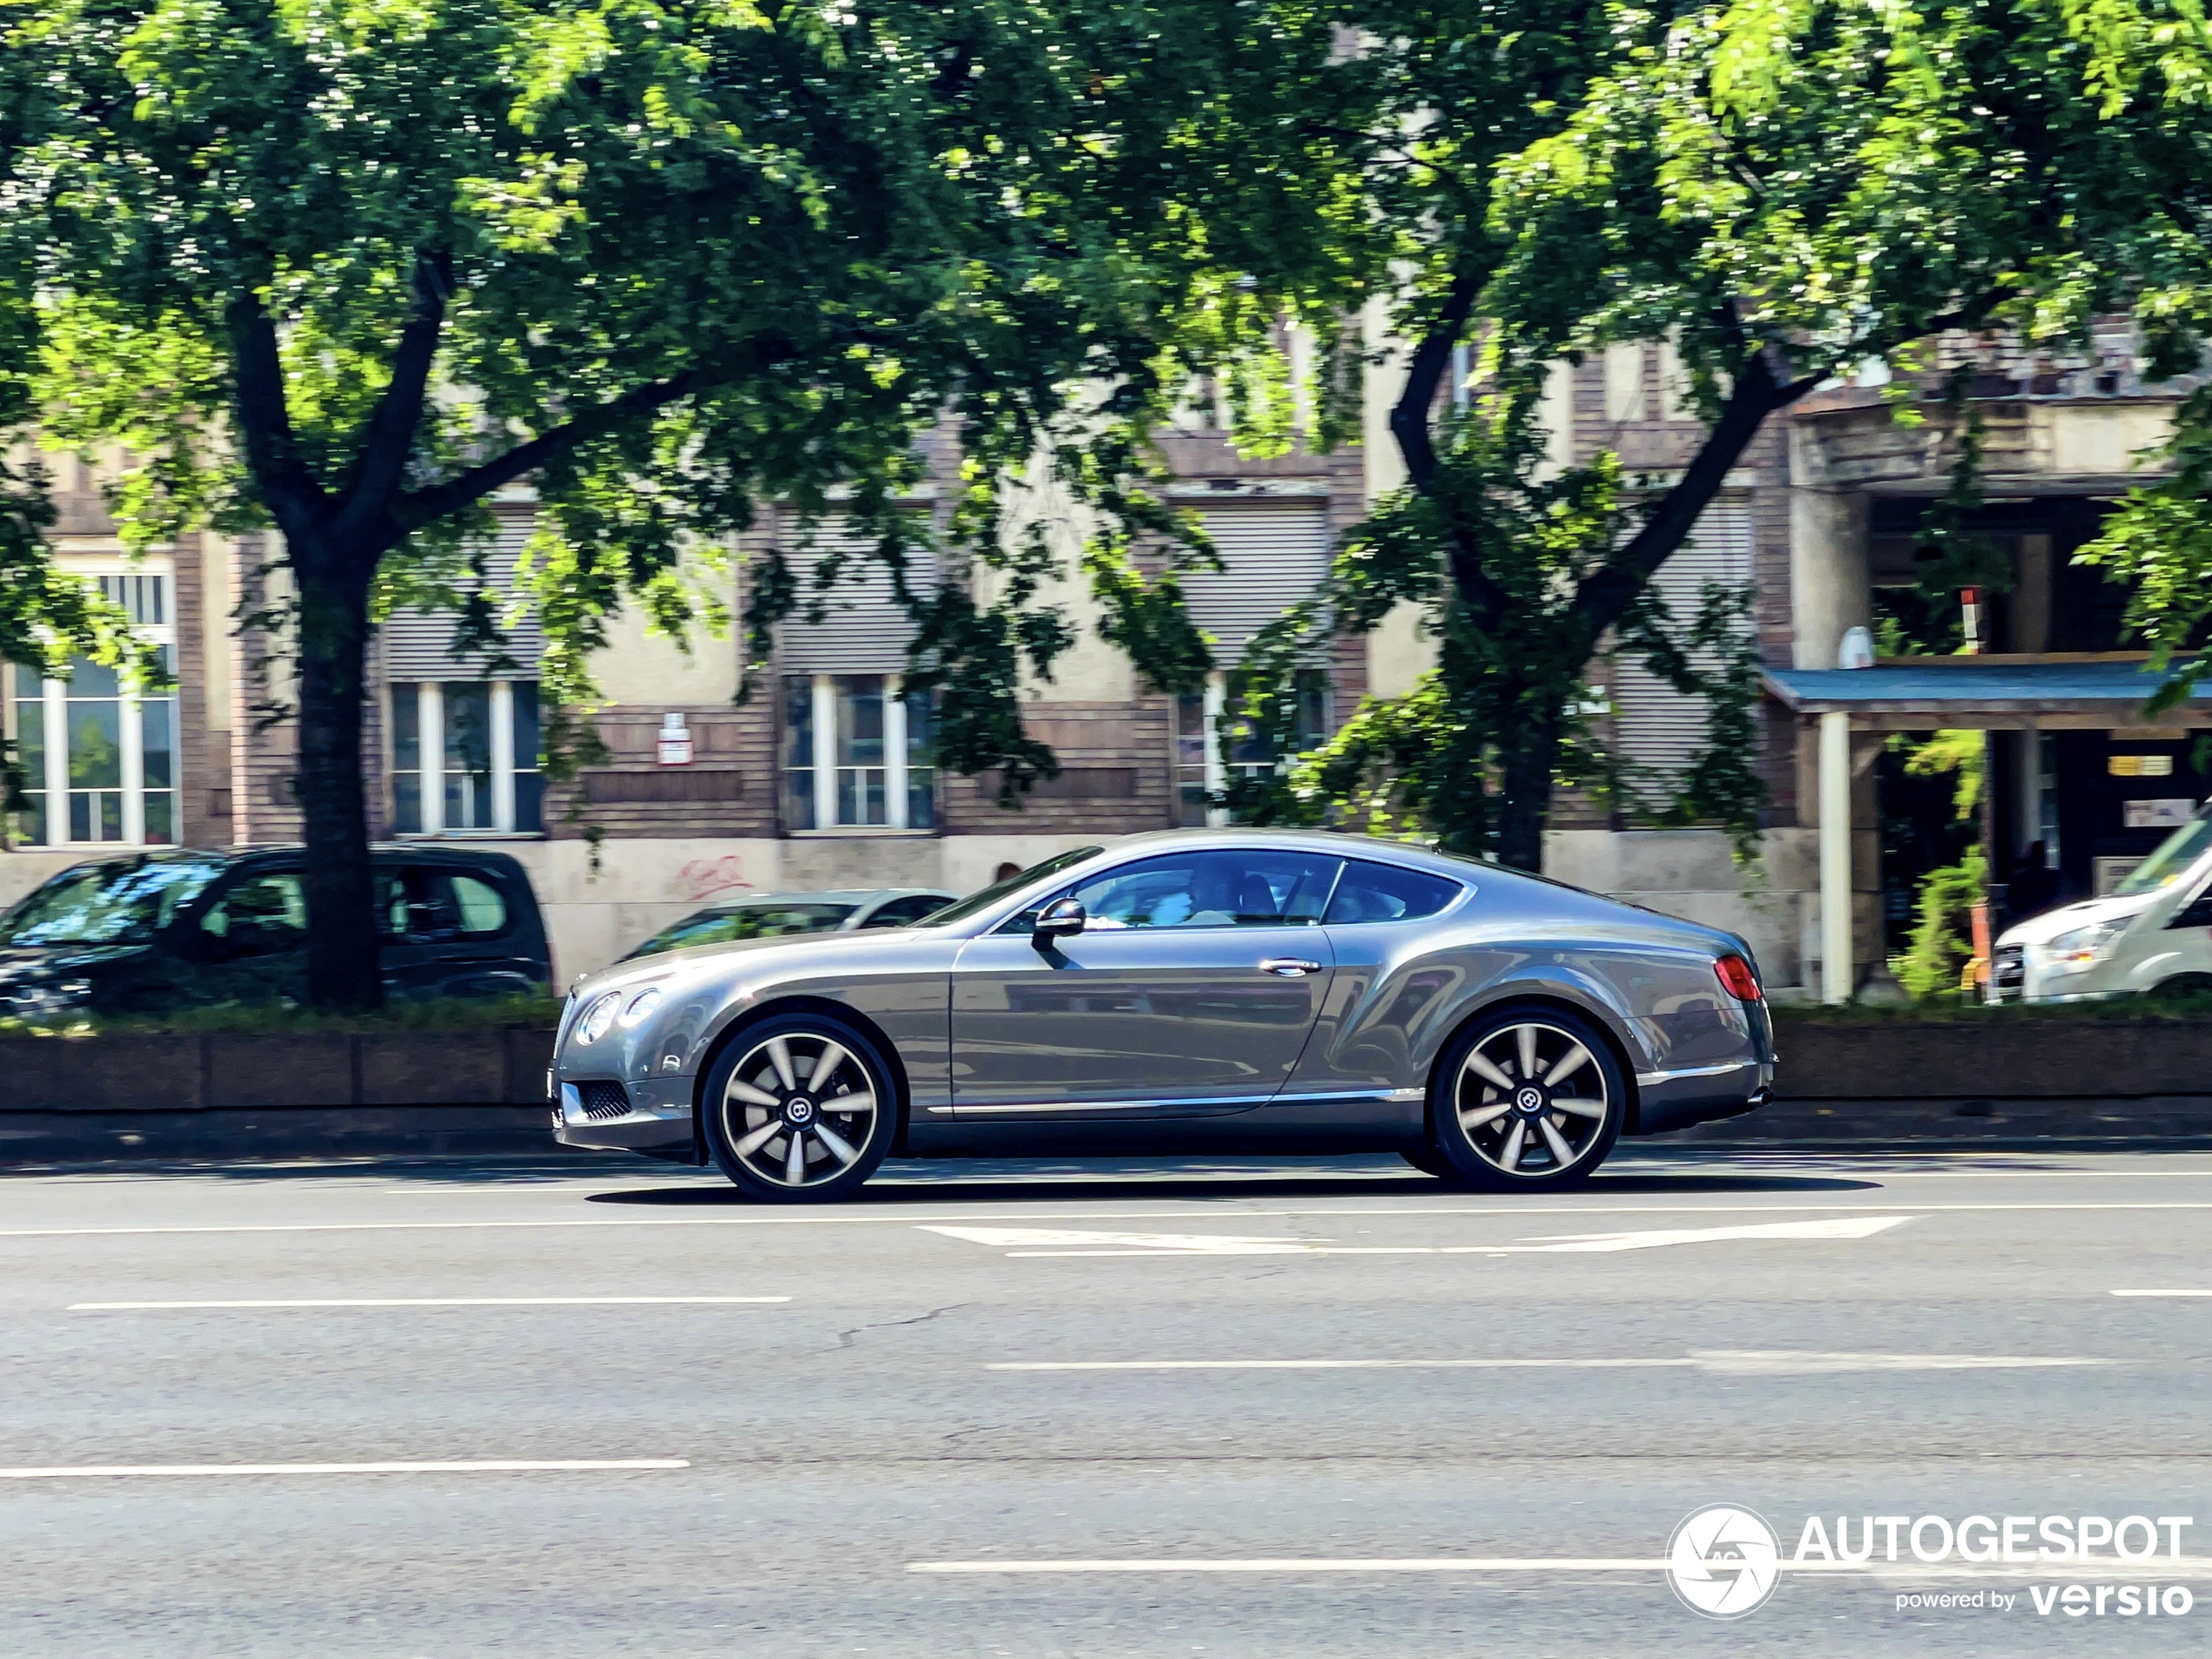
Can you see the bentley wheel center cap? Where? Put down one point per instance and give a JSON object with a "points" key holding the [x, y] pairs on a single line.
{"points": [[799, 1111], [1529, 1099]]}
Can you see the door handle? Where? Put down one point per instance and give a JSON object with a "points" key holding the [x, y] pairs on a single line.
{"points": [[1288, 967]]}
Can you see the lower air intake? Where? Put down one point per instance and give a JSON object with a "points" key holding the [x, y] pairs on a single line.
{"points": [[604, 1100]]}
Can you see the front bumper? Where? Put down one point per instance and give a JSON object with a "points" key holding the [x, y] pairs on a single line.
{"points": [[646, 1117]]}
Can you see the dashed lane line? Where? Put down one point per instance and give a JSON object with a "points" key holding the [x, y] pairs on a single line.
{"points": [[1217, 1214]]}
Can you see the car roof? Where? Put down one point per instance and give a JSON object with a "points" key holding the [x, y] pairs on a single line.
{"points": [[1343, 843], [427, 852]]}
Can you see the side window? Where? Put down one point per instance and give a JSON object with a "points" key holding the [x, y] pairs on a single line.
{"points": [[483, 913], [2195, 914], [899, 912], [1224, 889], [1384, 892], [261, 916]]}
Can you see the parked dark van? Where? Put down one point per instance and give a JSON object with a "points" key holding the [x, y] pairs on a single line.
{"points": [[154, 932]]}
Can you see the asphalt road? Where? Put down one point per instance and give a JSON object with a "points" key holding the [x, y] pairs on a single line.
{"points": [[985, 1367]]}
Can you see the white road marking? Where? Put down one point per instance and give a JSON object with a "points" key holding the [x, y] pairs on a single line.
{"points": [[1835, 1227], [436, 1302], [1302, 1564], [1131, 1244], [1211, 1213], [1051, 1242], [476, 1466], [2164, 1570], [1726, 1362], [2163, 1293]]}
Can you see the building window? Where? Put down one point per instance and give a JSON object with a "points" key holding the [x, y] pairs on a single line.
{"points": [[858, 753], [465, 758], [99, 763], [1207, 760]]}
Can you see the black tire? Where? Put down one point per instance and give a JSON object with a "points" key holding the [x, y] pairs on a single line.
{"points": [[756, 1107], [1429, 1161], [1499, 1125], [2183, 987]]}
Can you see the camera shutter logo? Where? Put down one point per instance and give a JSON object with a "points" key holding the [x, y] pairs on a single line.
{"points": [[1723, 1561]]}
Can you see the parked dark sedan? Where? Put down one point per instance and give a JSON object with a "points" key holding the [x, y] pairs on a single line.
{"points": [[158, 930], [1247, 989]]}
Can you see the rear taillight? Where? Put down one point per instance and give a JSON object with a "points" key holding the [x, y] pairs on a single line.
{"points": [[1738, 979]]}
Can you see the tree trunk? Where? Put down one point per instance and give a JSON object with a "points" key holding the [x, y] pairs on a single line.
{"points": [[1524, 796], [343, 969]]}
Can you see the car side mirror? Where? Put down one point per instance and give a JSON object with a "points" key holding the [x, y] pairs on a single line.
{"points": [[1062, 919]]}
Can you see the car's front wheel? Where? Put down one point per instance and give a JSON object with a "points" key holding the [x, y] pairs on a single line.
{"points": [[1526, 1097], [799, 1108]]}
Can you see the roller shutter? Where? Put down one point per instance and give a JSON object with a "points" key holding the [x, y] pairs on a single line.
{"points": [[864, 629], [1276, 553], [418, 646], [1653, 724]]}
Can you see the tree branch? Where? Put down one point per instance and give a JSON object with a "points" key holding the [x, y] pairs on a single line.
{"points": [[1756, 392], [389, 438], [1409, 424], [264, 420], [425, 506]]}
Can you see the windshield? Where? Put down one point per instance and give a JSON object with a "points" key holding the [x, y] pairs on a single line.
{"points": [[2175, 855], [108, 904], [745, 922], [989, 896]]}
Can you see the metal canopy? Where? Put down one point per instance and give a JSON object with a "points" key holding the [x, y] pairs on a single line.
{"points": [[1986, 691]]}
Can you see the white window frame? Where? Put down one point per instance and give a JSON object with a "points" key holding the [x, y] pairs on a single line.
{"points": [[1214, 703], [430, 743], [822, 711], [52, 710]]}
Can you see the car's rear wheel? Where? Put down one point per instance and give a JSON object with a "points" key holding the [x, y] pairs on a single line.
{"points": [[799, 1109], [1526, 1097]]}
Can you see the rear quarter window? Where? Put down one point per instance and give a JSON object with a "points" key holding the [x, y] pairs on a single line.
{"points": [[1384, 892], [482, 911]]}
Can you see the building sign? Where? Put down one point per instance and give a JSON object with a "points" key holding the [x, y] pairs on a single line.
{"points": [[674, 747], [2139, 767], [2155, 814]]}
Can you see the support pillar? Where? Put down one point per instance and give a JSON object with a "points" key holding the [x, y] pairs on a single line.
{"points": [[1836, 963]]}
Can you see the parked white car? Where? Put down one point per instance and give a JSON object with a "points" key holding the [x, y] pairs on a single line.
{"points": [[2154, 934]]}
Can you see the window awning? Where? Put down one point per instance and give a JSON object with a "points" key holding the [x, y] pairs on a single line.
{"points": [[1969, 691]]}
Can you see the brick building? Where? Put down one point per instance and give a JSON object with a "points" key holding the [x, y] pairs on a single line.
{"points": [[822, 780]]}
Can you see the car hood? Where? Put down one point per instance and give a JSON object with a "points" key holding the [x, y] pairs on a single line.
{"points": [[17, 961], [694, 960], [2040, 930]]}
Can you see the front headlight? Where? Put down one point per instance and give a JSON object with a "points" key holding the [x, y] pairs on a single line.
{"points": [[2082, 947], [598, 1018], [642, 1005]]}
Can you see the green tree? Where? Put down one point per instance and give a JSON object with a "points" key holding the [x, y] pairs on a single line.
{"points": [[1781, 191], [347, 267]]}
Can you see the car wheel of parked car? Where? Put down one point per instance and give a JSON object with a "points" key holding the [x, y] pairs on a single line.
{"points": [[1526, 1097], [799, 1108], [1429, 1161]]}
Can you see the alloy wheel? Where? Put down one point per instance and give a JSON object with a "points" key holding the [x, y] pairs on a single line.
{"points": [[799, 1110], [1531, 1099]]}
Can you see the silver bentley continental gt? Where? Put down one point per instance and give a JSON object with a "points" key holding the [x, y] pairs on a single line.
{"points": [[1214, 990]]}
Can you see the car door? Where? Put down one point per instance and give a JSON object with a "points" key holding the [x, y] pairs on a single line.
{"points": [[251, 939], [459, 937], [1191, 992]]}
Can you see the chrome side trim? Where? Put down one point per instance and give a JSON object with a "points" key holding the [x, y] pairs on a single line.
{"points": [[995, 1108], [1647, 1079]]}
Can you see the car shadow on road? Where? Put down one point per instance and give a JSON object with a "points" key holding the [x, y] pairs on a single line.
{"points": [[948, 1181]]}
